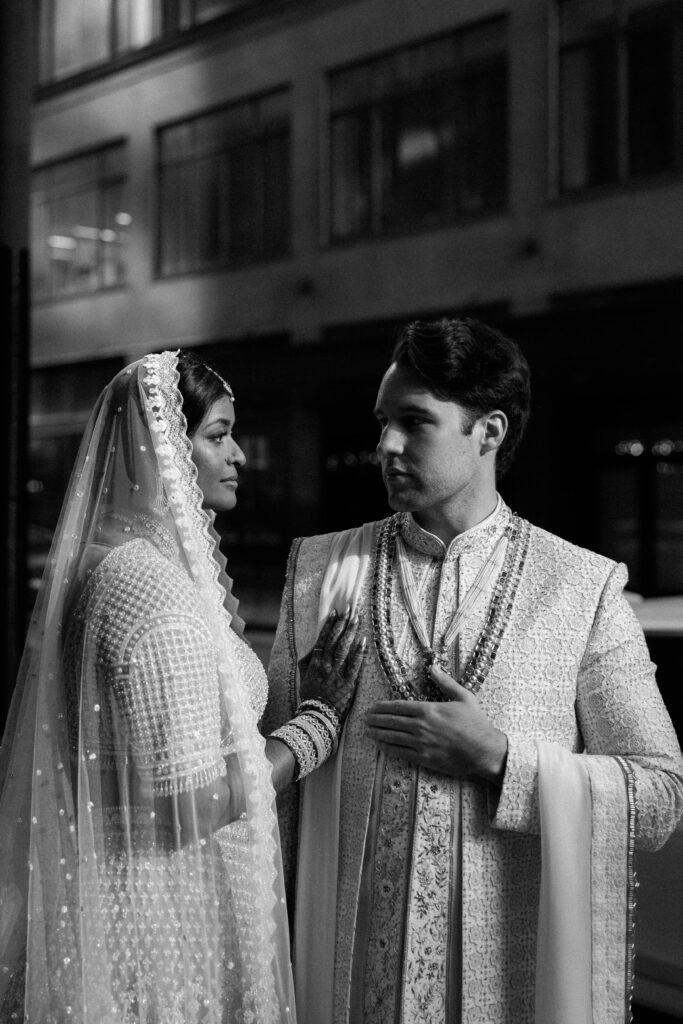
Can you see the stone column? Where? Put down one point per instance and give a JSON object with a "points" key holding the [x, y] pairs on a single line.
{"points": [[16, 59]]}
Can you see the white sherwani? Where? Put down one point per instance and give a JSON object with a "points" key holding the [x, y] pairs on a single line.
{"points": [[435, 918]]}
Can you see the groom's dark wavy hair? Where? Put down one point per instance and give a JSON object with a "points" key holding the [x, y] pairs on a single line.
{"points": [[468, 362]]}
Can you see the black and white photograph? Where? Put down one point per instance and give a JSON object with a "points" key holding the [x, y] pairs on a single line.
{"points": [[342, 516]]}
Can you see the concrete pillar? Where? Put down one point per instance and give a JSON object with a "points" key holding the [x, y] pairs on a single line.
{"points": [[16, 53]]}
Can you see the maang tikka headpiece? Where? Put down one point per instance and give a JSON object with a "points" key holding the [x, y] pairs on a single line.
{"points": [[224, 382]]}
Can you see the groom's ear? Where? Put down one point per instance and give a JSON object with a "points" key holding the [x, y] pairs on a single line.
{"points": [[494, 427]]}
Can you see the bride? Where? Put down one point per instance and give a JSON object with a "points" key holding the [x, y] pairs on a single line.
{"points": [[140, 871]]}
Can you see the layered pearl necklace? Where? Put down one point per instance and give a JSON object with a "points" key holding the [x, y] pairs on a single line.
{"points": [[507, 558]]}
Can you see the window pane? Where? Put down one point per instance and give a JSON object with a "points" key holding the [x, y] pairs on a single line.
{"points": [[246, 212], [218, 131], [589, 105], [415, 169], [96, 31], [350, 173], [276, 195], [580, 18], [67, 24], [40, 251], [620, 519], [114, 236], [274, 108], [574, 120], [618, 84], [113, 162], [76, 218], [603, 111], [210, 200], [76, 34], [81, 34], [45, 43], [483, 41], [484, 129], [350, 87], [435, 58], [650, 99], [176, 141], [172, 196], [79, 223], [669, 529], [138, 22], [77, 173], [423, 133], [229, 200]]}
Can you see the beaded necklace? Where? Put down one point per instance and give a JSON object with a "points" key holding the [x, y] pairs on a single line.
{"points": [[486, 647], [431, 651], [146, 526]]}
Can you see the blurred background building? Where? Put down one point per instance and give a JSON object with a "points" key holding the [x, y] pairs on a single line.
{"points": [[280, 184]]}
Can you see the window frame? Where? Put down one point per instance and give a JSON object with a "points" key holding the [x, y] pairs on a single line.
{"points": [[260, 132], [103, 184], [371, 108], [174, 23], [617, 29]]}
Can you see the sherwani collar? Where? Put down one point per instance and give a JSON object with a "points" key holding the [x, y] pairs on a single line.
{"points": [[478, 537]]}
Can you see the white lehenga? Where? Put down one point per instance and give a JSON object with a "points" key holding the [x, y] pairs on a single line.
{"points": [[138, 702]]}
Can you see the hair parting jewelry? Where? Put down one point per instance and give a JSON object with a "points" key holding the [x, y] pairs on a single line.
{"points": [[224, 382]]}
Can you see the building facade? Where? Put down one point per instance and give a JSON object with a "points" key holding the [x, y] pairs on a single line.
{"points": [[281, 183]]}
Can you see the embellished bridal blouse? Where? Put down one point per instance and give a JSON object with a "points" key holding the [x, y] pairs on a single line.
{"points": [[437, 879], [157, 702]]}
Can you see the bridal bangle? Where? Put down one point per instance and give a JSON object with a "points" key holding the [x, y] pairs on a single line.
{"points": [[312, 735]]}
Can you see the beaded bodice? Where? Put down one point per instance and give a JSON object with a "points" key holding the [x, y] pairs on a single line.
{"points": [[251, 671], [155, 684]]}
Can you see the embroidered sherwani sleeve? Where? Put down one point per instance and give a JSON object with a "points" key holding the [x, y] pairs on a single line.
{"points": [[620, 713]]}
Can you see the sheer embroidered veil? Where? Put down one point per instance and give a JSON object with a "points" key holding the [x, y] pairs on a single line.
{"points": [[123, 724]]}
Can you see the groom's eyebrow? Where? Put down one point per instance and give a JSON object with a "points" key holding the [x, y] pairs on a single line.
{"points": [[409, 407]]}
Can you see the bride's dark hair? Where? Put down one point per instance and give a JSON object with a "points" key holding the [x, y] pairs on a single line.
{"points": [[199, 386]]}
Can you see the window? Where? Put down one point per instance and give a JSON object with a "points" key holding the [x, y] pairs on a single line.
{"points": [[420, 134], [79, 224], [74, 35], [641, 494], [224, 187], [621, 101], [77, 34]]}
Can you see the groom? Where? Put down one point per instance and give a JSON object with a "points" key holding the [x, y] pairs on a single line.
{"points": [[466, 855]]}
